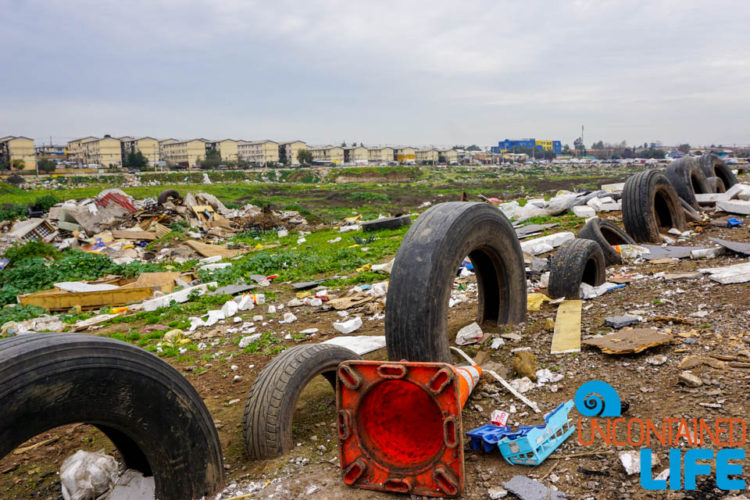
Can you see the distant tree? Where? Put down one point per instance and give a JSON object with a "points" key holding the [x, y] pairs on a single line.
{"points": [[46, 165], [343, 144], [361, 144], [4, 163], [135, 159], [17, 164], [566, 149], [473, 147], [684, 148], [212, 160], [628, 153], [598, 145], [305, 157], [578, 144]]}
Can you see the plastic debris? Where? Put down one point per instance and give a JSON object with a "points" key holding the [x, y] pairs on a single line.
{"points": [[361, 344], [470, 334], [591, 292], [348, 326], [546, 243], [86, 475], [531, 445], [618, 322], [246, 341]]}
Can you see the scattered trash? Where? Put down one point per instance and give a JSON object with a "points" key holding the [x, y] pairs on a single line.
{"points": [[531, 445], [618, 322], [546, 243], [470, 334], [631, 461]]}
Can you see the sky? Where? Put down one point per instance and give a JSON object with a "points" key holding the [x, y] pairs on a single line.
{"points": [[395, 72]]}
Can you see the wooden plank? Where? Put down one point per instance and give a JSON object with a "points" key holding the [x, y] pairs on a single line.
{"points": [[58, 300], [133, 235], [207, 250], [567, 336]]}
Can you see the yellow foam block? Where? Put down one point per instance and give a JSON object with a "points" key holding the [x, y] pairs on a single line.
{"points": [[567, 336]]}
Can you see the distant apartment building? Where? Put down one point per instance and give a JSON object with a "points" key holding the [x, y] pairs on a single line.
{"points": [[542, 145], [327, 154], [186, 153], [75, 148], [288, 151], [51, 151], [148, 146], [18, 149], [426, 156], [448, 156], [405, 155], [105, 152], [259, 152], [356, 154], [227, 148], [380, 155]]}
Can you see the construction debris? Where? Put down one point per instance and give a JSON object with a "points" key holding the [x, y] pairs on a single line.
{"points": [[629, 341]]}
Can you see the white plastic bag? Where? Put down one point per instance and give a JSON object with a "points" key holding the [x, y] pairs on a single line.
{"points": [[86, 475]]}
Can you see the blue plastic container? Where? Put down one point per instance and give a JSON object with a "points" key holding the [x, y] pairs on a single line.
{"points": [[485, 438], [531, 445]]}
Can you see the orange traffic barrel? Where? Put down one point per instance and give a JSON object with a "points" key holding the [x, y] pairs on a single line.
{"points": [[399, 425]]}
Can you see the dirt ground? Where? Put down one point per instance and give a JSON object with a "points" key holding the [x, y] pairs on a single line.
{"points": [[705, 318]]}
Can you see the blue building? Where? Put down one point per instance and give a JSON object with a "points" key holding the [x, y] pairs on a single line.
{"points": [[541, 145]]}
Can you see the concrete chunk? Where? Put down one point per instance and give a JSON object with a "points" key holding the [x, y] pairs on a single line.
{"points": [[618, 322], [526, 488]]}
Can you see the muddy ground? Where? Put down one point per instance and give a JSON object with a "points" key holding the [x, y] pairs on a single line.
{"points": [[704, 317]]}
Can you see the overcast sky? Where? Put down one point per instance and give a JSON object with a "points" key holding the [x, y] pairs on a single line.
{"points": [[401, 72]]}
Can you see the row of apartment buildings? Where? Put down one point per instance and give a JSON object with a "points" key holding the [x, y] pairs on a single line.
{"points": [[110, 151]]}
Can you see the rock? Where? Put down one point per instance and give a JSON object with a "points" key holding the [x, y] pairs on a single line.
{"points": [[631, 461], [618, 322], [524, 363], [714, 363], [549, 325], [690, 379], [657, 360], [497, 492], [689, 362], [511, 336], [526, 488]]}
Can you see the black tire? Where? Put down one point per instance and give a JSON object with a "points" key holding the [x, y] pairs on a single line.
{"points": [[387, 223], [713, 166], [165, 195], [267, 424], [426, 263], [716, 184], [687, 178], [576, 261], [650, 203], [154, 417], [606, 234]]}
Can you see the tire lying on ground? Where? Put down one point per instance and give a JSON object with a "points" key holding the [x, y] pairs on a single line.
{"points": [[267, 424], [650, 205], [426, 264], [387, 223], [576, 261], [165, 195], [716, 184], [688, 179], [713, 166], [607, 234], [154, 417]]}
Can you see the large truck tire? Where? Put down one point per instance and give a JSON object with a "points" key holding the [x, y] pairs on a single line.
{"points": [[713, 166], [167, 194], [154, 417], [650, 205], [687, 179], [267, 424], [576, 261], [607, 234], [426, 264], [386, 223]]}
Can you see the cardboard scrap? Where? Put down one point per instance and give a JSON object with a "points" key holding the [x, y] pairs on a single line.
{"points": [[349, 302], [629, 341], [567, 336], [207, 250]]}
